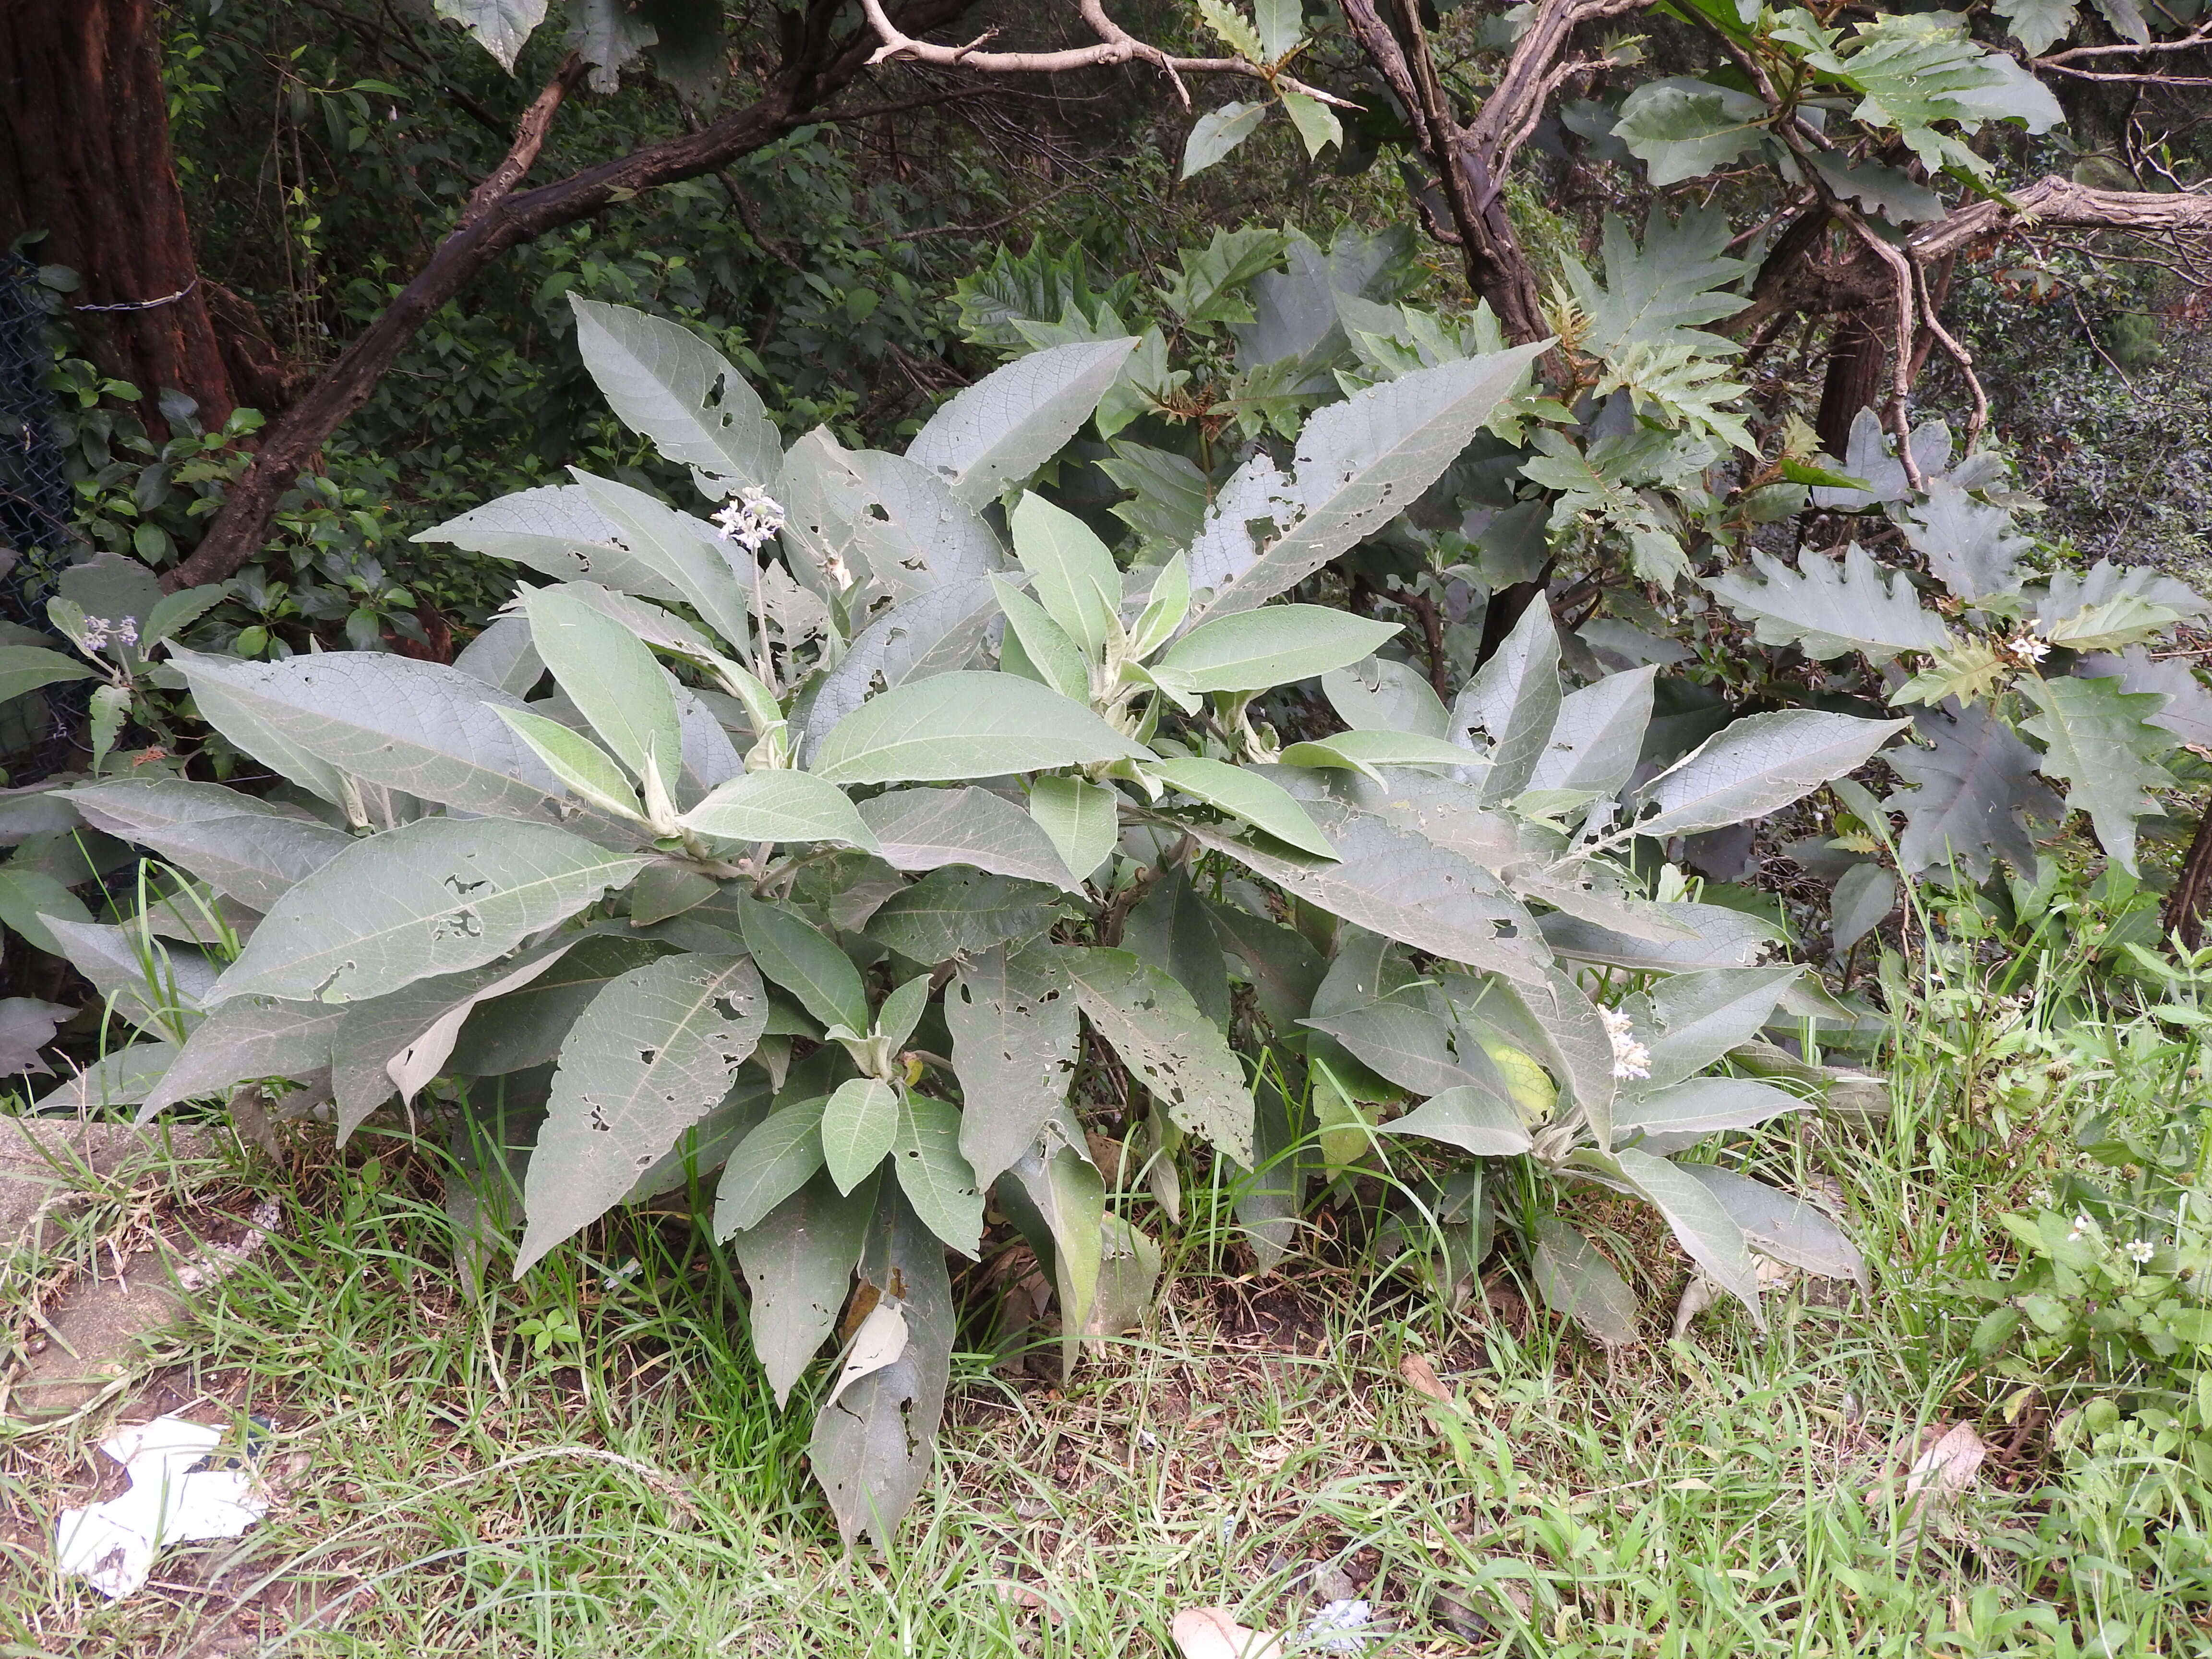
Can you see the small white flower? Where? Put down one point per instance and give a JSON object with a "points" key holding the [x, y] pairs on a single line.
{"points": [[2082, 1225], [2140, 1252], [1631, 1058], [1341, 1627], [750, 520], [2027, 648]]}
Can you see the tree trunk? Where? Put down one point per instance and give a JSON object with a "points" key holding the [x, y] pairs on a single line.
{"points": [[1854, 381], [84, 156], [2186, 904]]}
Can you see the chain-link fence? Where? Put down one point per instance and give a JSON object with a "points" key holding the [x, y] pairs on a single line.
{"points": [[35, 533]]}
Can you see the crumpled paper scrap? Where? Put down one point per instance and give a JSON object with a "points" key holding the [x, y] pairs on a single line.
{"points": [[172, 1500]]}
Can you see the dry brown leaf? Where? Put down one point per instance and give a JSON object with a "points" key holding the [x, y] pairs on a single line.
{"points": [[1211, 1633], [1947, 1469], [1421, 1377], [1025, 1598]]}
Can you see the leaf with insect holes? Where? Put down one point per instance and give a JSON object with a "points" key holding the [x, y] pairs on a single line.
{"points": [[936, 1179], [1006, 425], [433, 896], [1157, 1032], [1013, 1017], [656, 1050], [665, 383]]}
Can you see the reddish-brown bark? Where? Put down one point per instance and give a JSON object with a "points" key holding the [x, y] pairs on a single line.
{"points": [[84, 156]]}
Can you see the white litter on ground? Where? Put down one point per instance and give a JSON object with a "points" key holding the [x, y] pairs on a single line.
{"points": [[171, 1501]]}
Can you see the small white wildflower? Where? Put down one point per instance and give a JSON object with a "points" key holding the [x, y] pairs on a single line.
{"points": [[750, 520], [2026, 647], [2082, 1225], [1341, 1627], [2140, 1252], [1630, 1058]]}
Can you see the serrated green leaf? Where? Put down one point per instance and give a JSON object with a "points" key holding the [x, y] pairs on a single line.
{"points": [[654, 1052], [966, 725], [1829, 608], [500, 27], [1680, 127], [780, 807], [1234, 28], [1318, 127], [798, 955], [433, 896], [2097, 739], [1968, 794]]}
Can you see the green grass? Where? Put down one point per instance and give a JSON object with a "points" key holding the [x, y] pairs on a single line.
{"points": [[445, 1489]]}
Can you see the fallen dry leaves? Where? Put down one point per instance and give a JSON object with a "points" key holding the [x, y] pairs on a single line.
{"points": [[1212, 1633]]}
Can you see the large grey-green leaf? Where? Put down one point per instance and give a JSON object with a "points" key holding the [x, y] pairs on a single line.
{"points": [[1360, 464], [927, 829], [1253, 650], [1758, 764], [434, 897], [1971, 547], [247, 1038], [936, 1179], [503, 656], [1969, 794], [956, 912], [1398, 1039], [1829, 608], [781, 806], [1702, 1226], [912, 532], [1573, 1038], [1084, 820], [163, 989], [930, 634], [1864, 897], [1575, 1280], [775, 1160], [1788, 1228], [1056, 1198], [665, 383], [859, 1122], [684, 553], [556, 530], [1679, 127], [25, 668], [28, 895], [1284, 968], [873, 1447], [1514, 698], [1074, 576], [2098, 740], [1718, 937], [654, 1051], [1701, 1105], [1218, 131], [612, 678], [2188, 711], [798, 1264], [1245, 793], [1174, 1050], [805, 962], [1012, 1016], [417, 726], [1170, 930], [1698, 1016], [1011, 422], [429, 1014], [1597, 735], [523, 1028], [121, 1077], [1383, 695], [966, 725], [1401, 884], [1472, 1118]]}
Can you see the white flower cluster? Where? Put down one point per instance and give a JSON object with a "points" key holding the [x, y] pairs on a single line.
{"points": [[1630, 1057], [750, 519], [98, 630]]}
